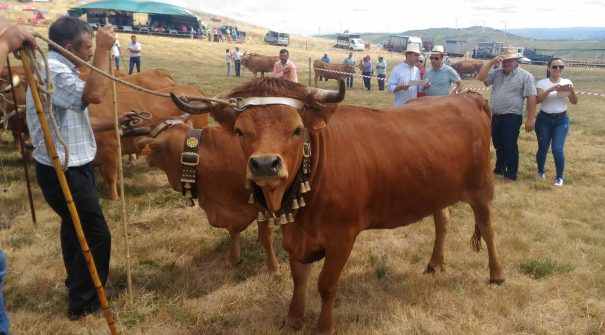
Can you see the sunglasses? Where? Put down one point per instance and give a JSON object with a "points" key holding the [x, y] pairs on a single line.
{"points": [[435, 58], [560, 67]]}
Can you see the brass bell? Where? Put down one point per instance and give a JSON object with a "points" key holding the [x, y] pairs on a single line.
{"points": [[251, 198], [282, 219], [271, 223], [302, 189], [248, 185], [301, 201], [294, 204], [307, 186], [261, 217], [290, 217]]}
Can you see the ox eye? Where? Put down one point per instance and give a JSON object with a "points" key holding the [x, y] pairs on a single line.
{"points": [[298, 131], [238, 132]]}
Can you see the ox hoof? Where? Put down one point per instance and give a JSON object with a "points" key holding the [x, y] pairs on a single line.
{"points": [[293, 323], [496, 281], [429, 269]]}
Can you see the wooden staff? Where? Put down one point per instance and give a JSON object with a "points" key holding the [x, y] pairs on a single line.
{"points": [[121, 174], [22, 146], [52, 150]]}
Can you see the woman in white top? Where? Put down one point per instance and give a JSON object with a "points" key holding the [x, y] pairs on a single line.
{"points": [[552, 123]]}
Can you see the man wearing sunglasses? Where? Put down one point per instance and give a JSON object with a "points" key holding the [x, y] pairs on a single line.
{"points": [[440, 76], [511, 86]]}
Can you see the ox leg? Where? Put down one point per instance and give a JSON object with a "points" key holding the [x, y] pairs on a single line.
{"points": [[441, 219], [234, 249], [265, 236], [300, 277], [109, 170], [336, 258], [485, 229], [315, 79]]}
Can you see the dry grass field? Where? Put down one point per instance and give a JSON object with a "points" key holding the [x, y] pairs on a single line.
{"points": [[551, 241]]}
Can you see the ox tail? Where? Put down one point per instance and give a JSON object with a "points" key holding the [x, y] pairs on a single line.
{"points": [[476, 239]]}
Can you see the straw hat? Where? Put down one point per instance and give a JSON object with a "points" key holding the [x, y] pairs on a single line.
{"points": [[438, 49], [412, 47], [510, 53]]}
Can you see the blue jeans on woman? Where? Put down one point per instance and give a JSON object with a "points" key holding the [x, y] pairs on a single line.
{"points": [[505, 133], [367, 80], [3, 318], [551, 131]]}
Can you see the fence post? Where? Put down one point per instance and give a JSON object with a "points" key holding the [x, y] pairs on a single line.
{"points": [[309, 71]]}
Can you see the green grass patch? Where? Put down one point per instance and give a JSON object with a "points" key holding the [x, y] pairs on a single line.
{"points": [[540, 268]]}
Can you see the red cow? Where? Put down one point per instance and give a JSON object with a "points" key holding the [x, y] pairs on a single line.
{"points": [[331, 71], [369, 169], [220, 176], [259, 63]]}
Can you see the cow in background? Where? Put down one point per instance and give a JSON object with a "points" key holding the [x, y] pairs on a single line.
{"points": [[369, 169], [220, 179], [467, 67], [331, 71], [259, 63]]}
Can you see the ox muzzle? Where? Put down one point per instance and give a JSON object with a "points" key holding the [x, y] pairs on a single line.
{"points": [[266, 166]]}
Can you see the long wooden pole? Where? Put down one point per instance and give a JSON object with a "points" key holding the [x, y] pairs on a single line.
{"points": [[121, 174], [50, 146]]}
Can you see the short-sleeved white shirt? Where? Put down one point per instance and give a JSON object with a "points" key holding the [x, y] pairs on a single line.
{"points": [[553, 104]]}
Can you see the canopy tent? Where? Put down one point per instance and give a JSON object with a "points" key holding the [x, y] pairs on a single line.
{"points": [[120, 13]]}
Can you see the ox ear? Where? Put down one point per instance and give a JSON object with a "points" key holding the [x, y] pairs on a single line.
{"points": [[225, 117], [142, 141]]}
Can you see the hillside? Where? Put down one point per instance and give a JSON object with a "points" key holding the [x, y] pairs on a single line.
{"points": [[577, 33]]}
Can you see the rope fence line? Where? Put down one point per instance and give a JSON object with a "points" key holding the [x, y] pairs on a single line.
{"points": [[465, 89]]}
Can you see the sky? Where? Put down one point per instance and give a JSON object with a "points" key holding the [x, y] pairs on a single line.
{"points": [[313, 17]]}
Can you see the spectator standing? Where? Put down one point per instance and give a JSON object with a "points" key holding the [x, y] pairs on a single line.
{"points": [[421, 67], [235, 35], [209, 33], [350, 61], [381, 72], [70, 99], [116, 53], [237, 59], [134, 48], [228, 33], [284, 68], [552, 123], [366, 71], [402, 74], [439, 77], [511, 86], [325, 58], [228, 57]]}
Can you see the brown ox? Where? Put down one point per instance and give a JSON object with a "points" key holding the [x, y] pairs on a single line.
{"points": [[259, 63], [325, 70], [129, 99], [467, 67], [220, 176], [370, 169], [13, 118]]}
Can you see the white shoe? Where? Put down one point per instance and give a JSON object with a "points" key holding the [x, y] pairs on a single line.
{"points": [[558, 182], [542, 176]]}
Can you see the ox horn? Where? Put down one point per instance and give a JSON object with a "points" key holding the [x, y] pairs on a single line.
{"points": [[328, 96], [191, 108], [15, 82]]}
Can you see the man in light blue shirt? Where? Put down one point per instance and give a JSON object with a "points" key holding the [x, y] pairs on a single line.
{"points": [[381, 72], [402, 74], [440, 76], [350, 61], [325, 59]]}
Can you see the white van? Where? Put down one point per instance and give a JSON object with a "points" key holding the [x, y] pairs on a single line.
{"points": [[356, 44]]}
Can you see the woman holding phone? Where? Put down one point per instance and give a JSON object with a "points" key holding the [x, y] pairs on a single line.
{"points": [[552, 123]]}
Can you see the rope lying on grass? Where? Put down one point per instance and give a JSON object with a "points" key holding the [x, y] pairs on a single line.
{"points": [[465, 89]]}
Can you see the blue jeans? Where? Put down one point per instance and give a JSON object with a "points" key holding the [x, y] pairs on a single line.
{"points": [[237, 67], [551, 131], [367, 81], [135, 61], [228, 69], [505, 133], [381, 81], [116, 59], [3, 317], [350, 81]]}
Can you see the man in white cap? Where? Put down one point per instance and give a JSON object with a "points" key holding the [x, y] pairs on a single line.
{"points": [[511, 85], [440, 76], [402, 74]]}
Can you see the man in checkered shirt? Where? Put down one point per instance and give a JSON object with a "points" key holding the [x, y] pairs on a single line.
{"points": [[70, 99]]}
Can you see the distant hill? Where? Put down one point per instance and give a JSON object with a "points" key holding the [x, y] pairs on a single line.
{"points": [[577, 33]]}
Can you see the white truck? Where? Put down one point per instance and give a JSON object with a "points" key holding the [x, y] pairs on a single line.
{"points": [[350, 41]]}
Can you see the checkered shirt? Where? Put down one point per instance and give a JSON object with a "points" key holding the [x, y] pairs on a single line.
{"points": [[71, 114], [509, 91]]}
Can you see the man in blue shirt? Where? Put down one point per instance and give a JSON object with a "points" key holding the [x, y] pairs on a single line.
{"points": [[325, 59], [70, 101], [440, 76]]}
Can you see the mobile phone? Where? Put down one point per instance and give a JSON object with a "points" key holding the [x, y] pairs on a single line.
{"points": [[566, 87]]}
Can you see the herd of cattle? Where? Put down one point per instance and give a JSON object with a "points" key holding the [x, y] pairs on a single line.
{"points": [[367, 168]]}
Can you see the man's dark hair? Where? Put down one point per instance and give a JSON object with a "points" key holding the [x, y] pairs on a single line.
{"points": [[284, 51], [68, 30]]}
